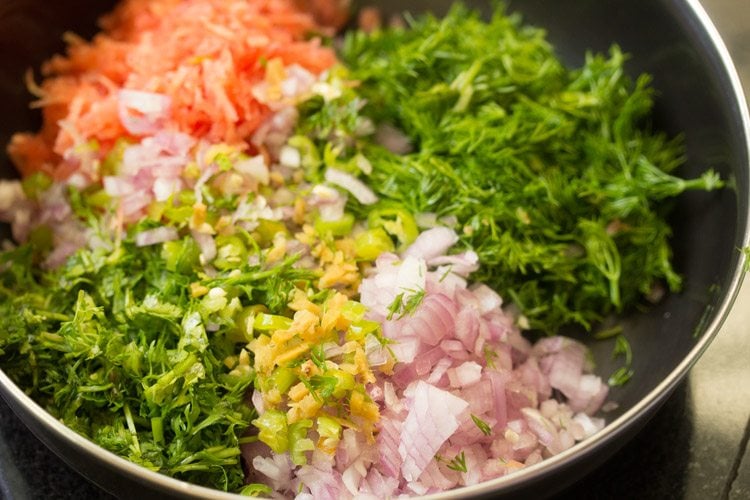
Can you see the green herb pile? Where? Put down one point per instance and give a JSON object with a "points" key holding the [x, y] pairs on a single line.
{"points": [[552, 175], [114, 345]]}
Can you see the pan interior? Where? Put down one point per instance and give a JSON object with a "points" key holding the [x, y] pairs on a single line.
{"points": [[697, 97]]}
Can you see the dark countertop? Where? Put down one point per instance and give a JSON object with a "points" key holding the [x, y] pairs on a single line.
{"points": [[695, 447]]}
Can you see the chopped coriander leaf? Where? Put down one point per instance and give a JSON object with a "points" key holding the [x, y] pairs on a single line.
{"points": [[608, 332], [483, 426], [622, 347], [318, 356], [553, 175], [490, 356], [323, 386], [620, 377], [458, 463], [396, 306], [624, 373], [404, 305], [413, 301], [112, 344]]}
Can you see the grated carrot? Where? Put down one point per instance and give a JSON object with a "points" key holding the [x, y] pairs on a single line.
{"points": [[207, 55]]}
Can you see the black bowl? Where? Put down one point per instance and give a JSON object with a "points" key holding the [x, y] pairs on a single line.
{"points": [[699, 95]]}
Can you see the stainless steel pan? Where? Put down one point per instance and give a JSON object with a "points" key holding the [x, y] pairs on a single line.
{"points": [[699, 94]]}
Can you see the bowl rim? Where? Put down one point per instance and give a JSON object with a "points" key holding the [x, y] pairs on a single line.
{"points": [[506, 484]]}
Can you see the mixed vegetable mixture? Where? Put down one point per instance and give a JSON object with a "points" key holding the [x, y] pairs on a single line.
{"points": [[254, 262]]}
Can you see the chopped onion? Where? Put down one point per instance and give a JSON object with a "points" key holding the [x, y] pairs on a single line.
{"points": [[488, 299], [257, 400], [433, 417], [433, 320], [590, 425], [172, 143], [460, 343], [290, 157], [329, 201], [377, 353], [432, 243], [156, 235], [117, 186], [255, 167], [393, 139], [206, 244], [142, 113], [356, 187], [465, 374], [275, 131], [165, 187], [133, 204]]}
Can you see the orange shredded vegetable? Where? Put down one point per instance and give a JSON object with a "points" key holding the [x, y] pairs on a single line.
{"points": [[205, 55]]}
